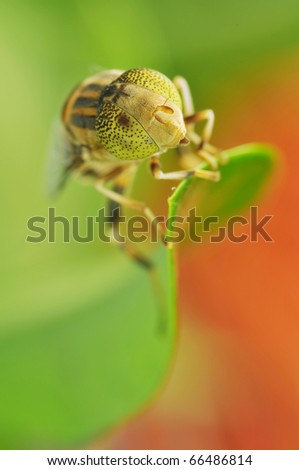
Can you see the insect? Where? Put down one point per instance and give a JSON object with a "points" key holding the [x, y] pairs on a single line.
{"points": [[114, 120]]}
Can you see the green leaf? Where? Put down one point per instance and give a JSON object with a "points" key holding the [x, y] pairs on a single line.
{"points": [[75, 368], [86, 369], [243, 179]]}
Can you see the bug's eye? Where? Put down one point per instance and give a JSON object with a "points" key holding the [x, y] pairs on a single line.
{"points": [[122, 135]]}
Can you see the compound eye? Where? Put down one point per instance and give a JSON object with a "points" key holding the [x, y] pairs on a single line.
{"points": [[122, 135]]}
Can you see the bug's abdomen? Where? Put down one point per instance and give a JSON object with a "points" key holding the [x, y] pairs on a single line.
{"points": [[80, 110]]}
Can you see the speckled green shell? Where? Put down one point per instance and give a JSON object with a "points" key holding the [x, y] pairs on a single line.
{"points": [[118, 125], [122, 135], [153, 80]]}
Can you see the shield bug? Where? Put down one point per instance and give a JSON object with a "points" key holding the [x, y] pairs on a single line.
{"points": [[114, 120]]}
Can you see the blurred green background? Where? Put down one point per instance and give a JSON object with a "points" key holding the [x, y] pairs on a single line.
{"points": [[241, 59]]}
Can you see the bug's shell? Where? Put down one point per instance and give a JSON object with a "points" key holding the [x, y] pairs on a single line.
{"points": [[140, 114]]}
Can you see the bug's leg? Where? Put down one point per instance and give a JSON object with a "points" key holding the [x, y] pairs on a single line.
{"points": [[187, 157], [203, 148], [158, 173], [191, 118], [119, 198], [188, 108], [221, 154], [114, 212], [201, 142], [206, 115]]}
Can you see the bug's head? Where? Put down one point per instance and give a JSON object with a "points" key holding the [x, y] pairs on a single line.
{"points": [[139, 115]]}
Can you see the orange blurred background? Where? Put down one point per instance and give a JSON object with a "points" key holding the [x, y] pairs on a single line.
{"points": [[235, 379]]}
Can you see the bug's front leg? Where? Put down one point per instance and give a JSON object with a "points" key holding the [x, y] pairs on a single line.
{"points": [[117, 196], [184, 90], [157, 172], [114, 214], [203, 148]]}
